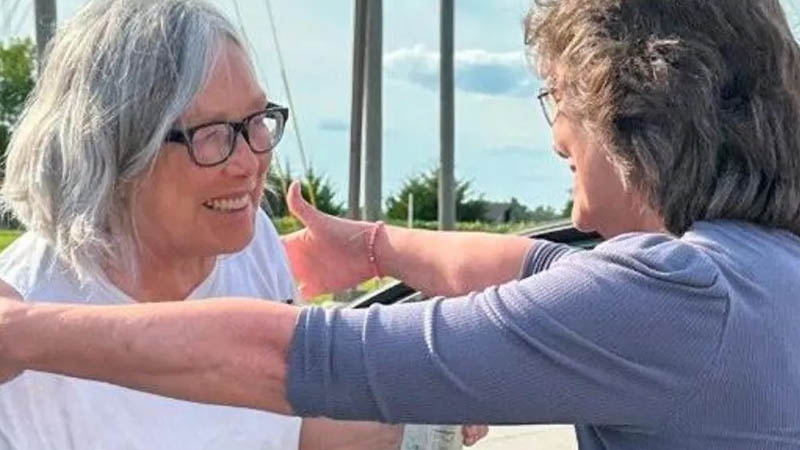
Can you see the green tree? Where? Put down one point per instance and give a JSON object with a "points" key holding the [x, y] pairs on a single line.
{"points": [[17, 62], [324, 193], [567, 211], [425, 188]]}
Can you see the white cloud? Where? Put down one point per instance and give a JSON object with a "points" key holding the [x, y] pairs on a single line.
{"points": [[476, 70]]}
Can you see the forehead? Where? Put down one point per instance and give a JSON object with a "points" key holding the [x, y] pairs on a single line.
{"points": [[230, 90]]}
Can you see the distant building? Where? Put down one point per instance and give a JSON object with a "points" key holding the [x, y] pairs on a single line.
{"points": [[498, 212]]}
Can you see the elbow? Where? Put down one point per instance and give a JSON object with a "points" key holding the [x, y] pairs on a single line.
{"points": [[257, 372]]}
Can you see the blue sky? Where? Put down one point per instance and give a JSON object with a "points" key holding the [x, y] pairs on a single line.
{"points": [[502, 141]]}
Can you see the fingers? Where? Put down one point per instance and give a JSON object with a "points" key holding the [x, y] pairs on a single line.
{"points": [[473, 433], [296, 253]]}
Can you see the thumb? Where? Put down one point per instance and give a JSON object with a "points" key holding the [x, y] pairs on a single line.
{"points": [[298, 206]]}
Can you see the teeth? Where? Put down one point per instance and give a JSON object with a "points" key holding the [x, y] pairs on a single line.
{"points": [[228, 204]]}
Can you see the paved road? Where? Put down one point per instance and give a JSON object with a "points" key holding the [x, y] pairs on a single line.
{"points": [[528, 437]]}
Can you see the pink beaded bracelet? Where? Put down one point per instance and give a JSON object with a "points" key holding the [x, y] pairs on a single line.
{"points": [[373, 258]]}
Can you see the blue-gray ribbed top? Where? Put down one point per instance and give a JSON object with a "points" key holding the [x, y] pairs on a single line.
{"points": [[649, 341]]}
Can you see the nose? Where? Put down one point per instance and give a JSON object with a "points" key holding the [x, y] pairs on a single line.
{"points": [[243, 162]]}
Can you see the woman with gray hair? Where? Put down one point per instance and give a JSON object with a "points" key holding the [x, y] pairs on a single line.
{"points": [[679, 120], [137, 169]]}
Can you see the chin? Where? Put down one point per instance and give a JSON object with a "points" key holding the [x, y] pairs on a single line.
{"points": [[234, 243], [580, 220]]}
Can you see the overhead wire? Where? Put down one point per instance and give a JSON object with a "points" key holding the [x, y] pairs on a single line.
{"points": [[282, 175], [22, 21], [292, 108], [10, 15]]}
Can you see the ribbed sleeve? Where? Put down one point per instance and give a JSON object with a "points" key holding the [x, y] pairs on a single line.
{"points": [[654, 341], [542, 254]]}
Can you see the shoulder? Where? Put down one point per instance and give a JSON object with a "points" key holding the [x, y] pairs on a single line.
{"points": [[31, 266], [653, 300], [657, 257], [261, 269]]}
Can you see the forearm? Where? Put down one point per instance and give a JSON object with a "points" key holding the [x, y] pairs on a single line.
{"points": [[226, 352], [450, 263]]}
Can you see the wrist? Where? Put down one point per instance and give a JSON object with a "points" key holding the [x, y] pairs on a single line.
{"points": [[375, 230]]}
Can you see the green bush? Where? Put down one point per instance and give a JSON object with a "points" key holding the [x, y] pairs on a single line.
{"points": [[319, 185], [471, 226], [286, 225], [425, 188]]}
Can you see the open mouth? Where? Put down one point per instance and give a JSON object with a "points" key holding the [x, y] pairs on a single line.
{"points": [[229, 204]]}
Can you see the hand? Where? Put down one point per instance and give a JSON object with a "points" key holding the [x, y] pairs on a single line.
{"points": [[330, 254], [473, 433], [9, 304]]}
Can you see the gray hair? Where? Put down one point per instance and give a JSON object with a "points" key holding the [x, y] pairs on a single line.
{"points": [[116, 78], [696, 101]]}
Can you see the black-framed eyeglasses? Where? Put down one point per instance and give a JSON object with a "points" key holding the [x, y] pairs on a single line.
{"points": [[549, 104], [213, 143]]}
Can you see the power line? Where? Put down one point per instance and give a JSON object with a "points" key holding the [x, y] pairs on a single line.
{"points": [[10, 15], [249, 43], [282, 176], [25, 15], [292, 109]]}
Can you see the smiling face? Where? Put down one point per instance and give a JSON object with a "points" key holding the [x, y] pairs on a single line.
{"points": [[182, 210], [600, 201]]}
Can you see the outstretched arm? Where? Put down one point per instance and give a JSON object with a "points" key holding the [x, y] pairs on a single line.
{"points": [[332, 254], [555, 336], [449, 263], [228, 352]]}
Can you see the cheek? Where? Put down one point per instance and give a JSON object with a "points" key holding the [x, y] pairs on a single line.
{"points": [[264, 165], [171, 189]]}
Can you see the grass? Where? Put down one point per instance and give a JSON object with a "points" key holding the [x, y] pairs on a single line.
{"points": [[7, 237]]}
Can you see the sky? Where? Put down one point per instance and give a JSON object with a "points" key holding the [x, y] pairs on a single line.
{"points": [[503, 144]]}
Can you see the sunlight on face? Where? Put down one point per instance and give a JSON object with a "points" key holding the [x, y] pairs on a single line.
{"points": [[600, 201], [183, 210]]}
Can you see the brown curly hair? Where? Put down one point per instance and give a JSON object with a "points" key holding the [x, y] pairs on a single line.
{"points": [[697, 101]]}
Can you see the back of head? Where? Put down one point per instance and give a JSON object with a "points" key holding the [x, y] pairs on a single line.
{"points": [[116, 77], [697, 101]]}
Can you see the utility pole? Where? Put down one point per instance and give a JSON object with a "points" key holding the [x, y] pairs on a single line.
{"points": [[374, 111], [45, 11], [447, 203], [357, 109]]}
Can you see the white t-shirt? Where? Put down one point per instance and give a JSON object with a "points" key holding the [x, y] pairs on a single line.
{"points": [[40, 411]]}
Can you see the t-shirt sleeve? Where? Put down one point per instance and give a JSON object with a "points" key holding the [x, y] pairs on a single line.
{"points": [[542, 255], [617, 335]]}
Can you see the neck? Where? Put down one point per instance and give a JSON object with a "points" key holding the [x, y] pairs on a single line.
{"points": [[635, 218], [161, 277]]}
